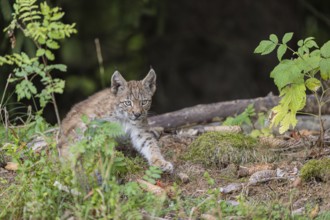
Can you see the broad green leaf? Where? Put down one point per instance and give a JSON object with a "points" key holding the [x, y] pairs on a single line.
{"points": [[315, 53], [285, 73], [325, 68], [308, 39], [281, 51], [325, 50], [288, 120], [263, 46], [40, 52], [301, 51], [307, 63], [49, 55], [287, 37], [269, 49], [313, 84], [293, 99], [300, 43], [311, 43], [273, 38]]}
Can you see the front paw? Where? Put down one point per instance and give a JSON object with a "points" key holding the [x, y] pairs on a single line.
{"points": [[163, 165]]}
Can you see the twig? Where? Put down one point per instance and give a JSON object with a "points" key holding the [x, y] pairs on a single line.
{"points": [[100, 60]]}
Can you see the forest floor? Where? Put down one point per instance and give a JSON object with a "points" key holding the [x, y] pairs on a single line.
{"points": [[301, 196], [308, 198], [234, 179]]}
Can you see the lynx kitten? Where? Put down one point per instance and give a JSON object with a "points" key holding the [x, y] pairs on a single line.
{"points": [[126, 103]]}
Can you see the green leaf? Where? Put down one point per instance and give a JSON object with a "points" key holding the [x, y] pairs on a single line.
{"points": [[45, 9], [41, 40], [293, 99], [285, 73], [281, 51], [58, 86], [265, 47], [307, 63], [288, 120], [308, 39], [269, 49], [243, 118], [300, 43], [311, 44], [25, 89], [52, 44], [60, 67], [316, 53], [325, 50], [25, 58], [313, 84], [57, 16], [301, 51], [287, 37], [40, 52], [325, 68], [273, 38], [49, 55]]}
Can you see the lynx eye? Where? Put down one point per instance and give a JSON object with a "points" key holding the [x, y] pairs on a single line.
{"points": [[145, 102], [128, 103]]}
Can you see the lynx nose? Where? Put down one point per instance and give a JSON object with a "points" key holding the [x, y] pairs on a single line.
{"points": [[137, 114]]}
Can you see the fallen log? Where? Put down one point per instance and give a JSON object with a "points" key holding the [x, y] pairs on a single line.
{"points": [[207, 112]]}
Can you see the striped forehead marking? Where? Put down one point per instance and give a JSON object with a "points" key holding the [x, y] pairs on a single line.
{"points": [[136, 90]]}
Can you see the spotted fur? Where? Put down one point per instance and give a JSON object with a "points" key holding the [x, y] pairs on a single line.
{"points": [[126, 103]]}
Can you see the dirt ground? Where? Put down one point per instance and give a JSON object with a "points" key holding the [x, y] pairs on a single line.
{"points": [[291, 191]]}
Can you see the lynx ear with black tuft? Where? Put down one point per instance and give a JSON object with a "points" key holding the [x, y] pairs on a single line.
{"points": [[118, 83], [150, 81]]}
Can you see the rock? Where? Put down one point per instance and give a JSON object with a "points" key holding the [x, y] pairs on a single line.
{"points": [[183, 177], [208, 217], [231, 188], [11, 166]]}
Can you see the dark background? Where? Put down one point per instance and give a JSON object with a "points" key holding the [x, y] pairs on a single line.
{"points": [[202, 51]]}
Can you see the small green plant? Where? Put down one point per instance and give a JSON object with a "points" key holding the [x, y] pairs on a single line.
{"points": [[263, 130], [244, 117], [41, 24], [307, 69], [96, 152], [152, 174]]}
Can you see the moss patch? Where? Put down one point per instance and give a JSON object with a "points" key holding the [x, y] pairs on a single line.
{"points": [[316, 169], [220, 149]]}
